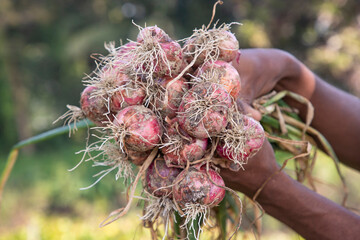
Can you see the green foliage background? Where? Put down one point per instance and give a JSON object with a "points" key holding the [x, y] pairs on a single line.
{"points": [[44, 53]]}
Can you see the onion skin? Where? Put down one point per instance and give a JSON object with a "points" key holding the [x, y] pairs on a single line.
{"points": [[94, 107], [214, 118], [167, 61], [228, 47], [195, 187], [124, 54], [153, 32], [174, 56], [129, 93], [188, 73], [189, 153], [142, 127], [115, 75], [190, 47], [175, 92], [222, 151], [224, 74], [136, 157], [158, 175], [256, 138], [191, 149], [133, 96]]}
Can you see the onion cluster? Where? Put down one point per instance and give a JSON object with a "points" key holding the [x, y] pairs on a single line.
{"points": [[155, 94]]}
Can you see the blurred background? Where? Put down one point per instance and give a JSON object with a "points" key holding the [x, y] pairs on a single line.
{"points": [[45, 49]]}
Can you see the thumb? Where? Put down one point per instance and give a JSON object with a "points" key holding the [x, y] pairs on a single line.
{"points": [[255, 114], [246, 108]]}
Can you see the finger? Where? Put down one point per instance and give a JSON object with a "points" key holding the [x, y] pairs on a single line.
{"points": [[255, 114], [246, 108]]}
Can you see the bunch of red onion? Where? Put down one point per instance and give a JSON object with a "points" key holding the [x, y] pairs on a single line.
{"points": [[170, 110]]}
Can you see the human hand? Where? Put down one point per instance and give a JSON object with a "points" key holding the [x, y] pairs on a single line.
{"points": [[258, 169], [282, 197], [262, 70]]}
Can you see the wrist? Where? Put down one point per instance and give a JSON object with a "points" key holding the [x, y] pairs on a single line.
{"points": [[273, 192], [306, 212], [297, 78]]}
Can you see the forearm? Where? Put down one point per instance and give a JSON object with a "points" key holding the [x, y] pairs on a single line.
{"points": [[306, 212], [337, 117], [337, 113]]}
